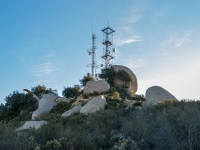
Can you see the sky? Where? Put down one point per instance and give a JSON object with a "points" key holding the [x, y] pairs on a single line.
{"points": [[46, 42]]}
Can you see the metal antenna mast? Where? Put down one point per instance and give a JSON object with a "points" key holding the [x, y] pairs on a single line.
{"points": [[108, 42], [92, 52]]}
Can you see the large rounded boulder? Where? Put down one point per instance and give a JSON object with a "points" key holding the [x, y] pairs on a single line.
{"points": [[96, 104], [157, 94], [99, 86], [133, 85]]}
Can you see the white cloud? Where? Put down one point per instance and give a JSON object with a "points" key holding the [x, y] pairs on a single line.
{"points": [[126, 36], [124, 41], [44, 69], [183, 40], [177, 41], [49, 68]]}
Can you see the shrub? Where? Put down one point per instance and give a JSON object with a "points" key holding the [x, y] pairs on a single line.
{"points": [[83, 103], [85, 95], [53, 145], [71, 91], [108, 74], [15, 102], [61, 107], [41, 89], [86, 79], [91, 94], [96, 93], [138, 103]]}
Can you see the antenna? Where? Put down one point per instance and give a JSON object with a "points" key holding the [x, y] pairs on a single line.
{"points": [[92, 26], [92, 52], [108, 42]]}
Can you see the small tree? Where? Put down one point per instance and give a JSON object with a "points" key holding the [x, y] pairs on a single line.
{"points": [[41, 89], [16, 101], [108, 74], [86, 79], [5, 113], [71, 91], [125, 76]]}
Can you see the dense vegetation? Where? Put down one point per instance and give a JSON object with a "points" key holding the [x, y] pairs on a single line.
{"points": [[170, 125]]}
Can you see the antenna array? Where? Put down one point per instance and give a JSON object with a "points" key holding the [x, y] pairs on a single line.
{"points": [[92, 52], [108, 42]]}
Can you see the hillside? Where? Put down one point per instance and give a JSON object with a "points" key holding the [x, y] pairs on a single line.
{"points": [[110, 116], [169, 125]]}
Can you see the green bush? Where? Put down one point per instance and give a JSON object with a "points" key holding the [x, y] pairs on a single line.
{"points": [[96, 93], [124, 76], [86, 96], [168, 125], [41, 89], [71, 91], [86, 79], [108, 74], [16, 102], [53, 145], [61, 107]]}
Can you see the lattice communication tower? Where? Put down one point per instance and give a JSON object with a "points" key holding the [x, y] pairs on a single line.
{"points": [[108, 42], [92, 52]]}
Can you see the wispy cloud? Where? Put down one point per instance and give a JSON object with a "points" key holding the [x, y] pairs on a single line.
{"points": [[126, 36], [124, 41], [44, 69], [132, 19], [177, 41], [49, 68]]}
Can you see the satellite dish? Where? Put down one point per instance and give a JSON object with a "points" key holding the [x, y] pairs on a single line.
{"points": [[114, 50]]}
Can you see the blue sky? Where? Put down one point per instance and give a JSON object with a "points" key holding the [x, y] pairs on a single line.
{"points": [[46, 42]]}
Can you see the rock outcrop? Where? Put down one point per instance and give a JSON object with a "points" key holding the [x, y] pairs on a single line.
{"points": [[99, 86], [61, 99], [133, 85], [46, 103], [32, 124], [75, 109], [94, 105], [157, 94]]}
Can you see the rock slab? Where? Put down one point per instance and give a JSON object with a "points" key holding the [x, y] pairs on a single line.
{"points": [[133, 85], [46, 103], [94, 105], [99, 86], [75, 109], [32, 124], [157, 94]]}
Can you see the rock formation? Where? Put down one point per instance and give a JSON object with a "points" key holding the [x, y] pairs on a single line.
{"points": [[133, 85], [46, 103], [99, 86], [61, 99], [156, 94], [75, 109], [32, 124], [94, 105]]}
